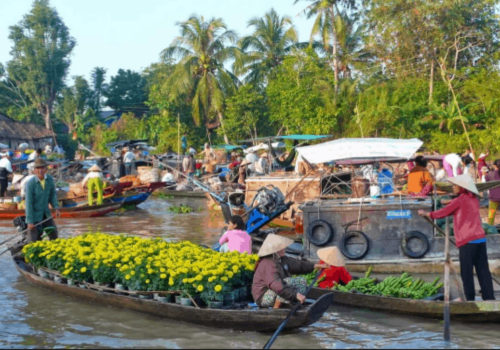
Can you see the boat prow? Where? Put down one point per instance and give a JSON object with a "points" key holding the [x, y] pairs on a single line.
{"points": [[259, 320]]}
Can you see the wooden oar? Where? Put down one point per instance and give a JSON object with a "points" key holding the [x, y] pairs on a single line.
{"points": [[20, 233], [447, 316], [285, 322]]}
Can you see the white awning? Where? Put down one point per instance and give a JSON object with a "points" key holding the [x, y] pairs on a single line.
{"points": [[265, 146], [355, 149]]}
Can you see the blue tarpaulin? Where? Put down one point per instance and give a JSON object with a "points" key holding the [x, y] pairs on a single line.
{"points": [[230, 147], [305, 137]]}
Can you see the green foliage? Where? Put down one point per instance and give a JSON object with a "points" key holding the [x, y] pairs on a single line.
{"points": [[182, 209], [247, 114], [301, 96], [126, 92], [41, 53]]}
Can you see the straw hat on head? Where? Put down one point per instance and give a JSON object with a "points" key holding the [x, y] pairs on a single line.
{"points": [[274, 244], [244, 163], [331, 256], [466, 182], [96, 169], [126, 149], [264, 155], [40, 163]]}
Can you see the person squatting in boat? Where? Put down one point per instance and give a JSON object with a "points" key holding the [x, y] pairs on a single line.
{"points": [[336, 273], [95, 182], [236, 238], [470, 236], [272, 283]]}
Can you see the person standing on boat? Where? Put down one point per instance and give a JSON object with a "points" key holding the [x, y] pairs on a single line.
{"points": [[453, 165], [494, 193], [184, 144], [251, 159], [128, 159], [481, 162], [470, 236], [94, 182], [261, 165], [272, 283], [5, 172], [242, 171], [189, 165], [336, 273], [236, 238], [40, 192]]}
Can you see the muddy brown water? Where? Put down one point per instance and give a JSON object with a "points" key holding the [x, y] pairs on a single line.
{"points": [[35, 318]]}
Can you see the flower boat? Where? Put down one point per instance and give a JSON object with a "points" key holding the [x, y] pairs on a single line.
{"points": [[70, 213], [125, 272]]}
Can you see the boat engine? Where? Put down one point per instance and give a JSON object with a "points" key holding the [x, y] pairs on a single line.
{"points": [[20, 224], [268, 204]]}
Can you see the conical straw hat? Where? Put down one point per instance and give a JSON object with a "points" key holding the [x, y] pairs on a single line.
{"points": [[465, 181], [95, 168], [331, 256], [274, 244]]}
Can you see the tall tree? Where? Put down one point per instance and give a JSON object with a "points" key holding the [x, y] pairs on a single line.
{"points": [[200, 73], [324, 26], [273, 38], [99, 88], [127, 92], [41, 56]]}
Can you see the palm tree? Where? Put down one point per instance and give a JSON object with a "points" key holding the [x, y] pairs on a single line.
{"points": [[273, 38], [324, 26], [200, 73]]}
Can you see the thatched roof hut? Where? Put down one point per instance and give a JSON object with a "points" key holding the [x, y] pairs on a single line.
{"points": [[14, 133]]}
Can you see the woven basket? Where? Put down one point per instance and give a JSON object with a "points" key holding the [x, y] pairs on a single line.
{"points": [[8, 206]]}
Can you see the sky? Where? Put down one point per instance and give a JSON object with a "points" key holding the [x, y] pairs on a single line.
{"points": [[130, 34]]}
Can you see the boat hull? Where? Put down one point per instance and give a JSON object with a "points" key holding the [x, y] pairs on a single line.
{"points": [[474, 312], [261, 320], [72, 213]]}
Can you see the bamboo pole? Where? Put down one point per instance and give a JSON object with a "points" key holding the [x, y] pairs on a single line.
{"points": [[179, 140], [447, 335]]}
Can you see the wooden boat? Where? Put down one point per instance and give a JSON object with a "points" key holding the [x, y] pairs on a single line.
{"points": [[70, 213], [184, 194], [475, 312], [260, 320], [134, 196]]}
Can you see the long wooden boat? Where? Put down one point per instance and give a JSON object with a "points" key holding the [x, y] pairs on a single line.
{"points": [[259, 320], [474, 312], [70, 213], [135, 196], [183, 194]]}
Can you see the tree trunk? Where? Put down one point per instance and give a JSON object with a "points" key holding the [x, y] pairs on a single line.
{"points": [[226, 139], [334, 52], [431, 83], [46, 116]]}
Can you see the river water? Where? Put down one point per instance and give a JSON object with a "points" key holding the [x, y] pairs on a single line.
{"points": [[35, 318]]}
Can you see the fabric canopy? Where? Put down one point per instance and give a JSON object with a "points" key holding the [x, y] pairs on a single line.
{"points": [[230, 147], [263, 146], [290, 137], [355, 149]]}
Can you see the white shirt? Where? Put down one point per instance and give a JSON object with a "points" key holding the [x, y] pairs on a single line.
{"points": [[251, 159], [24, 182], [31, 166], [168, 178], [261, 166], [5, 163], [93, 175], [455, 161], [441, 175], [129, 157]]}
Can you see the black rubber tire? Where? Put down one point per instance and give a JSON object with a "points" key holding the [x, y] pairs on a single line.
{"points": [[415, 235], [319, 242], [347, 237]]}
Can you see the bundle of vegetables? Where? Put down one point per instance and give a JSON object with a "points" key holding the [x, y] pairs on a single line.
{"points": [[144, 264], [404, 286]]}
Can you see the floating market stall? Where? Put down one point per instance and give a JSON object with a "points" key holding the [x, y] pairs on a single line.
{"points": [[386, 232]]}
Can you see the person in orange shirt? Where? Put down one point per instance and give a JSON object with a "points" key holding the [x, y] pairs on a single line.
{"points": [[420, 180]]}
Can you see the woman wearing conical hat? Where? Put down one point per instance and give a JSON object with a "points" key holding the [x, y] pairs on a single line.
{"points": [[94, 182], [336, 273], [272, 283], [470, 236]]}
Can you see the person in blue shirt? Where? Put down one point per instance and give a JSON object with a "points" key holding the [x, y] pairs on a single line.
{"points": [[184, 144]]}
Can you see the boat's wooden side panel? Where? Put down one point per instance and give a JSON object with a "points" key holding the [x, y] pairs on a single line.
{"points": [[469, 312], [73, 213], [244, 320]]}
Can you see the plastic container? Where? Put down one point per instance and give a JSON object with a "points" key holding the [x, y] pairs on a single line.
{"points": [[186, 302], [385, 181]]}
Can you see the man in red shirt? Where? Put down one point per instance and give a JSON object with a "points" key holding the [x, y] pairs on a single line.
{"points": [[336, 272]]}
